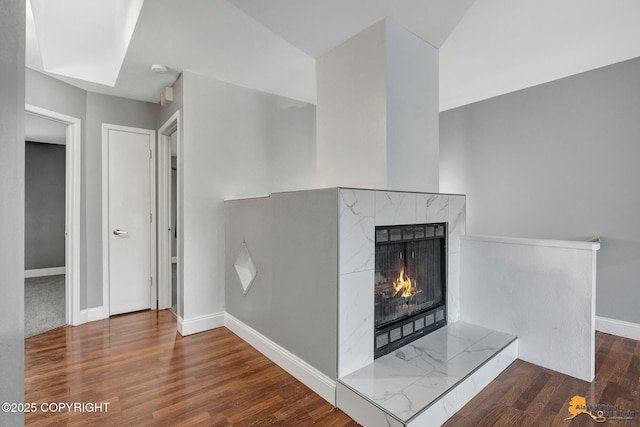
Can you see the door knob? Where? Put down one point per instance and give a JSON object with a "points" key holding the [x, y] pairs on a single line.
{"points": [[119, 232]]}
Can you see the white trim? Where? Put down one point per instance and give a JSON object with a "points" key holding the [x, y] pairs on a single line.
{"points": [[618, 327], [153, 247], [97, 313], [174, 260], [258, 196], [105, 217], [164, 259], [72, 209], [298, 368], [42, 272], [94, 314], [106, 127], [569, 244], [200, 324]]}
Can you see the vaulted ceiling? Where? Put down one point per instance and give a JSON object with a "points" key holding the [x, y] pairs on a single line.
{"points": [[487, 47]]}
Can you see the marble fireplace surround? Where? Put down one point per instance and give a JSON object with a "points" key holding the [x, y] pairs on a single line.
{"points": [[360, 211], [540, 292], [493, 282]]}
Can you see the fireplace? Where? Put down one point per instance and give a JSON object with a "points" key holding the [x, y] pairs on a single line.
{"points": [[410, 283]]}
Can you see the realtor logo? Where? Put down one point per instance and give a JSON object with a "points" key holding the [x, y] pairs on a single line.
{"points": [[599, 413]]}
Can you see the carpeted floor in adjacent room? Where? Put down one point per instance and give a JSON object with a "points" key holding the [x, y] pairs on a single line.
{"points": [[43, 304]]}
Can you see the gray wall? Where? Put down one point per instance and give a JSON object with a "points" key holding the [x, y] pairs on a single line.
{"points": [[412, 111], [377, 111], [293, 240], [12, 18], [558, 161], [351, 112], [231, 137], [47, 92], [44, 205], [113, 110], [292, 134], [93, 109]]}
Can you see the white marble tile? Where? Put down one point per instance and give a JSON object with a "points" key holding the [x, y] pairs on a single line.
{"points": [[356, 230], [453, 287], [474, 383], [459, 365], [429, 388], [457, 221], [440, 349], [508, 355], [360, 212], [450, 404], [466, 390], [395, 208], [542, 294], [355, 321], [409, 379], [485, 374], [432, 208], [377, 379], [437, 414], [364, 412], [469, 332], [457, 228]]}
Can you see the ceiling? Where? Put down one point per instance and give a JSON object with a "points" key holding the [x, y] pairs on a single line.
{"points": [[487, 47]]}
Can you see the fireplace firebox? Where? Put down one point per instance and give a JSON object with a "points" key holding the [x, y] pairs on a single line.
{"points": [[410, 284]]}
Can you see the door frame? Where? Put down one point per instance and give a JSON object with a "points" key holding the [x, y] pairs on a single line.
{"points": [[72, 209], [172, 125], [106, 127]]}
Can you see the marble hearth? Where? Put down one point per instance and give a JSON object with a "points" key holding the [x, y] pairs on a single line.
{"points": [[427, 381]]}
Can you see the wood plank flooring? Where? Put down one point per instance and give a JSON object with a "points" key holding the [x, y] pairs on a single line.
{"points": [[151, 376], [528, 395]]}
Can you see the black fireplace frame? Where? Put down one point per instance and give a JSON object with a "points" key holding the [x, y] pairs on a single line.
{"points": [[397, 333]]}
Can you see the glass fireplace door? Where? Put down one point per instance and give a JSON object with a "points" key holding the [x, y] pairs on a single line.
{"points": [[410, 283]]}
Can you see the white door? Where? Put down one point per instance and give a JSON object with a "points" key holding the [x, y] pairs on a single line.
{"points": [[129, 219]]}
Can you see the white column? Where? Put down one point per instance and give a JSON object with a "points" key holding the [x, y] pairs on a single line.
{"points": [[377, 112]]}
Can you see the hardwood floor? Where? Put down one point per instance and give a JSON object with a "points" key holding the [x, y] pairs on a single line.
{"points": [[528, 395], [149, 375]]}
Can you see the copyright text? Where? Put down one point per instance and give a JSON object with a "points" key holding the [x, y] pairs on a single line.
{"points": [[80, 407]]}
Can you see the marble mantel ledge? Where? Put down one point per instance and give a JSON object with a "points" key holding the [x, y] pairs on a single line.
{"points": [[590, 245]]}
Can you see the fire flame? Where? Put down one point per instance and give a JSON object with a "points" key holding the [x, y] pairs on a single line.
{"points": [[404, 285]]}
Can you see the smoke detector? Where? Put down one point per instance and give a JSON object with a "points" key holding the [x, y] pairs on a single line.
{"points": [[159, 68]]}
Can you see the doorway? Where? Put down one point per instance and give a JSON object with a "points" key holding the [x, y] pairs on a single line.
{"points": [[169, 216], [71, 223], [128, 196], [173, 224]]}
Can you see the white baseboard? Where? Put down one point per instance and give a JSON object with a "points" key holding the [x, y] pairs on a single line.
{"points": [[200, 324], [97, 313], [301, 370], [179, 323], [91, 315], [41, 272], [618, 327]]}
